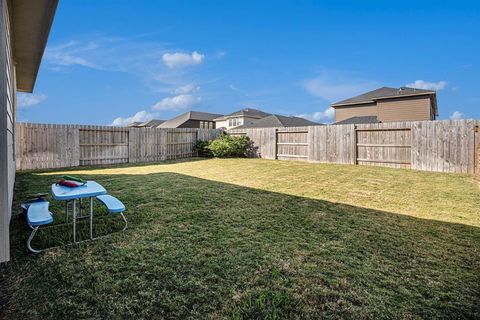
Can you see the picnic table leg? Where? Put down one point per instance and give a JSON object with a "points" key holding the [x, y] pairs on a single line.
{"points": [[66, 211], [74, 221], [91, 218]]}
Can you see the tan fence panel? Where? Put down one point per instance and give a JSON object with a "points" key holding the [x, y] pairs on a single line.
{"points": [[181, 143], [103, 145], [386, 145], [292, 143], [443, 146], [332, 144], [147, 145], [41, 146], [340, 146], [44, 146], [263, 141]]}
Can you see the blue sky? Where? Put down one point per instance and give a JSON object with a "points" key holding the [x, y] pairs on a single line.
{"points": [[129, 60]]}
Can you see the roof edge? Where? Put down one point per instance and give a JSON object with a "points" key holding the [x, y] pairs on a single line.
{"points": [[30, 19], [430, 93]]}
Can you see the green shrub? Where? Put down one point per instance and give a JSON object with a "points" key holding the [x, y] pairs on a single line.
{"points": [[230, 146], [202, 147]]}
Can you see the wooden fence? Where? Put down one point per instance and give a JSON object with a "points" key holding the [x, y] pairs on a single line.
{"points": [[45, 146], [443, 146]]}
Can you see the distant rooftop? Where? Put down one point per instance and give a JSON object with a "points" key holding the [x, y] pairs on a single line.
{"points": [[148, 124], [134, 124], [359, 120], [190, 115], [152, 123], [276, 120], [247, 112]]}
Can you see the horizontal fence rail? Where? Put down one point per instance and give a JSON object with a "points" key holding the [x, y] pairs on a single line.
{"points": [[442, 146], [46, 146]]}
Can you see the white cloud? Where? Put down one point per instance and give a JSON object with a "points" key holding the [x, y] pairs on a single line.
{"points": [[333, 87], [141, 116], [25, 100], [179, 59], [425, 85], [181, 101], [320, 116], [457, 115], [68, 54], [186, 89]]}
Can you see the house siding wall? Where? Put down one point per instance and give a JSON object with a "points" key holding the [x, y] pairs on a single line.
{"points": [[405, 109], [245, 120], [221, 124], [342, 113], [7, 131]]}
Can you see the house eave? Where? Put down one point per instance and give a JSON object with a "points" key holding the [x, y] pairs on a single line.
{"points": [[351, 104], [31, 22]]}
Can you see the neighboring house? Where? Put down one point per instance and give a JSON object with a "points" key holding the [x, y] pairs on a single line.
{"points": [[134, 124], [387, 105], [276, 120], [24, 29], [149, 124], [192, 119], [239, 118]]}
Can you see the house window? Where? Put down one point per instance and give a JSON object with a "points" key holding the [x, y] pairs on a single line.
{"points": [[210, 125], [235, 122]]}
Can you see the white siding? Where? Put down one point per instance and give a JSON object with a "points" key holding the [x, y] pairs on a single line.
{"points": [[7, 131]]}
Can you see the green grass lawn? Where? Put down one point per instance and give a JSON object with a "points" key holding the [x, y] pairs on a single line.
{"points": [[248, 238]]}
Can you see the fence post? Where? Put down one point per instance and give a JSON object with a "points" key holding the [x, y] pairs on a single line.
{"points": [[355, 145], [196, 139], [276, 144], [76, 146], [476, 150]]}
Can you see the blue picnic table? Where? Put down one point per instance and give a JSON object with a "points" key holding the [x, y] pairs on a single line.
{"points": [[89, 190]]}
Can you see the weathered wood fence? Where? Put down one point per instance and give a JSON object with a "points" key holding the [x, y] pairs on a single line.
{"points": [[444, 146], [45, 146]]}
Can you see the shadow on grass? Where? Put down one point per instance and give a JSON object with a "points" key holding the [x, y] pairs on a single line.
{"points": [[197, 248]]}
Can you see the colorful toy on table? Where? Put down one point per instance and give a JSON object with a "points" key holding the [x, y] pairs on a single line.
{"points": [[66, 183], [76, 179], [71, 182]]}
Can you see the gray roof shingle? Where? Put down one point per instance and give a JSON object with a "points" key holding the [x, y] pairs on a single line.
{"points": [[359, 120], [190, 115], [276, 120], [134, 124], [247, 112], [152, 123]]}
